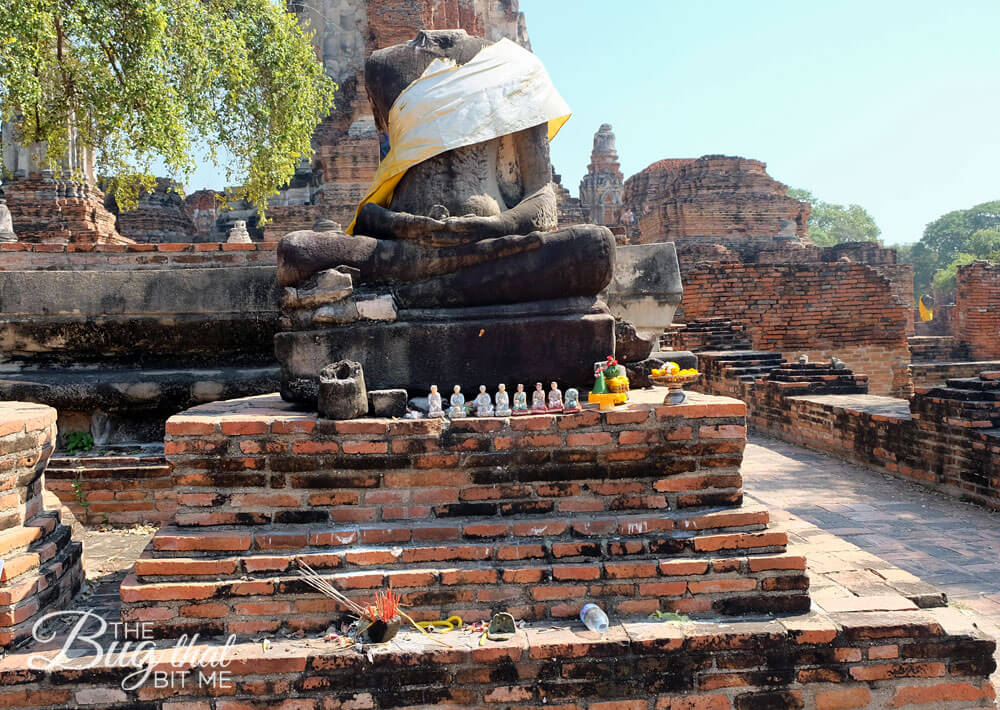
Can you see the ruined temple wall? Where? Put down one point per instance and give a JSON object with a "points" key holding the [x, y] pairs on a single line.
{"points": [[945, 437], [977, 309], [49, 211], [820, 309]]}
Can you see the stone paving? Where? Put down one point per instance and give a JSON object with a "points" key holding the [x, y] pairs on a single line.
{"points": [[836, 511]]}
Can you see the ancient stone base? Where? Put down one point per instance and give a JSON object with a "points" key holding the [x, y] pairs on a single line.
{"points": [[866, 660], [41, 567], [640, 508], [415, 355]]}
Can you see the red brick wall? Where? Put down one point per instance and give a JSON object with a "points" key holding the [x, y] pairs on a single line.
{"points": [[945, 439], [115, 490], [867, 661], [821, 309], [977, 309], [531, 511]]}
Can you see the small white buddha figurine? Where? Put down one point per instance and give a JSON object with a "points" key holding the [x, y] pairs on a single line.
{"points": [[483, 403], [538, 398], [520, 401], [457, 408], [555, 398], [572, 400], [434, 408], [503, 401]]}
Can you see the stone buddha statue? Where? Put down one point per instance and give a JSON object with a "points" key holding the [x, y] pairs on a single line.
{"points": [[465, 242]]}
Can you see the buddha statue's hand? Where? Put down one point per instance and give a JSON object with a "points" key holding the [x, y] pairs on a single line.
{"points": [[378, 222]]}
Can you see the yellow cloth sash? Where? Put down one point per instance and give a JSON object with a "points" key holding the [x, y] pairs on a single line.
{"points": [[502, 90]]}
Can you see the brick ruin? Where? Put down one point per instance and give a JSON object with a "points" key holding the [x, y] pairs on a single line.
{"points": [[641, 509], [160, 216], [946, 437], [48, 210], [818, 309], [977, 309], [715, 199], [49, 207]]}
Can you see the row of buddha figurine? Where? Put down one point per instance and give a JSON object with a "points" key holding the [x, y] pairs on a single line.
{"points": [[484, 406]]}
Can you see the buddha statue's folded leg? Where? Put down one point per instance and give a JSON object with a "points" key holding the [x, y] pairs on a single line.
{"points": [[576, 261], [570, 262], [302, 254]]}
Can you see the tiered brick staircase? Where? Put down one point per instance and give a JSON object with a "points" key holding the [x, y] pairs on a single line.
{"points": [[40, 566], [639, 509], [708, 334]]}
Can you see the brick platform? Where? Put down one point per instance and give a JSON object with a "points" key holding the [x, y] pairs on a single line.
{"points": [[640, 507], [914, 659], [41, 568]]}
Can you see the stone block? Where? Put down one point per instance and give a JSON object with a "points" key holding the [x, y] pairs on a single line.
{"points": [[387, 403], [629, 347], [380, 308], [646, 287], [342, 393]]}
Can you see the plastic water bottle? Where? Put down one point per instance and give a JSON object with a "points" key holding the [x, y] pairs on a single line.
{"points": [[594, 618]]}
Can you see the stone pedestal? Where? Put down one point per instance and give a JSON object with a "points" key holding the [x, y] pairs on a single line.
{"points": [[639, 509], [414, 354], [41, 566]]}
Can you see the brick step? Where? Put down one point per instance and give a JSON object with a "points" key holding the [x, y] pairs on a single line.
{"points": [[51, 587], [742, 355], [23, 595], [111, 461], [497, 532], [54, 472], [21, 537], [752, 370], [155, 563], [37, 554], [703, 585], [974, 383]]}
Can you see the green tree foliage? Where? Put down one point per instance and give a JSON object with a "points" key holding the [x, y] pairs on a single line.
{"points": [[831, 224], [949, 234], [983, 244], [944, 280], [148, 81], [950, 241]]}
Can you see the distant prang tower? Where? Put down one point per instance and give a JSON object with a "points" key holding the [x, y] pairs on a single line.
{"points": [[603, 187]]}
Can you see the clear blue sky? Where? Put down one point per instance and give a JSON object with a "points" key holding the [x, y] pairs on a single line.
{"points": [[889, 104]]}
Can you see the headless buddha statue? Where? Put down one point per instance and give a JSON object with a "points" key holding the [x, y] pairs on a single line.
{"points": [[473, 226]]}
